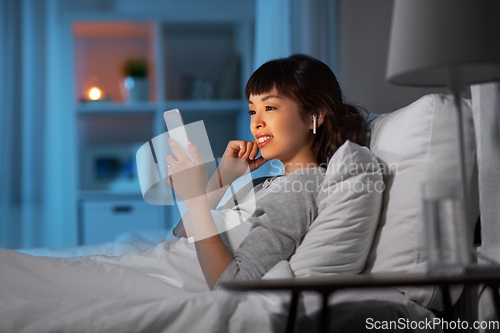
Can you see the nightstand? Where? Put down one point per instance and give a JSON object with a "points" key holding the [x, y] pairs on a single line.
{"points": [[327, 285]]}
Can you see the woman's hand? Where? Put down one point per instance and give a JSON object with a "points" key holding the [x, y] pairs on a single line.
{"points": [[186, 177], [239, 158], [246, 151]]}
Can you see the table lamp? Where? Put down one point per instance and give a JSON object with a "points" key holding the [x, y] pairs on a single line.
{"points": [[450, 43]]}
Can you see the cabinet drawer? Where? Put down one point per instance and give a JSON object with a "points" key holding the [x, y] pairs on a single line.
{"points": [[102, 221]]}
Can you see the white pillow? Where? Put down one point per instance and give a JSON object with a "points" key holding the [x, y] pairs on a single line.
{"points": [[414, 144], [349, 204]]}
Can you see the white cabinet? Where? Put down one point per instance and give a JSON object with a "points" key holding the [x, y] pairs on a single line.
{"points": [[103, 221]]}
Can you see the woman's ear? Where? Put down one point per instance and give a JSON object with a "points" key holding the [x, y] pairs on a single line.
{"points": [[320, 117]]}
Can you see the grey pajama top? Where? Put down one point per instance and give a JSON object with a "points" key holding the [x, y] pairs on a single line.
{"points": [[285, 208]]}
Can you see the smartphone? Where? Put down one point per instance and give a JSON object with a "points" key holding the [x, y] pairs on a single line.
{"points": [[177, 129]]}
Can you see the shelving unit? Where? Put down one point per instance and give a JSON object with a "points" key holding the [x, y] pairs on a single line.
{"points": [[196, 67]]}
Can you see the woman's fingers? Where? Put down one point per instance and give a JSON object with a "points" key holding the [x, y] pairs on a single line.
{"points": [[243, 149], [169, 182], [193, 150], [175, 148], [248, 150], [171, 160], [243, 155], [250, 145], [179, 154], [232, 149], [255, 151], [189, 177]]}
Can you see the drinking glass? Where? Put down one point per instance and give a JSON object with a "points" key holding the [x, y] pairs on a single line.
{"points": [[445, 238]]}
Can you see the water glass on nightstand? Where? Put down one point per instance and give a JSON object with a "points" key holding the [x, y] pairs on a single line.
{"points": [[445, 239]]}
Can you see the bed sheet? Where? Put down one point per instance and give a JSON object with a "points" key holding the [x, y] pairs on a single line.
{"points": [[124, 243], [147, 291], [144, 283], [161, 289]]}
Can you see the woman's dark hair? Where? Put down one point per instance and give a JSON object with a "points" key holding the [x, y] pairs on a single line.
{"points": [[312, 84]]}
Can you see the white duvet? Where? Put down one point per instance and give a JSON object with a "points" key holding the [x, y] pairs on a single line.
{"points": [[158, 288], [161, 289]]}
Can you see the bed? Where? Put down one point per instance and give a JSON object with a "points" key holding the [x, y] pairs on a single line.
{"points": [[152, 281]]}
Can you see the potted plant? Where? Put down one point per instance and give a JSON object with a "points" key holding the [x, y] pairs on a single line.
{"points": [[136, 81]]}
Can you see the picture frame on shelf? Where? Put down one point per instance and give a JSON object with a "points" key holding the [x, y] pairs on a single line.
{"points": [[111, 168]]}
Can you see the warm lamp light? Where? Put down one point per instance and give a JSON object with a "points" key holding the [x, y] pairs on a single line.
{"points": [[95, 93]]}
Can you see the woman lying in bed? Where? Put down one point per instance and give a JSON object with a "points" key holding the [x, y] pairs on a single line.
{"points": [[297, 117]]}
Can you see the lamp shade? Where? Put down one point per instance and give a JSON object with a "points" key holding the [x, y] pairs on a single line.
{"points": [[432, 38]]}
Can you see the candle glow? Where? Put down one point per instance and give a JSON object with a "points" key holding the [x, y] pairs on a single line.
{"points": [[94, 93]]}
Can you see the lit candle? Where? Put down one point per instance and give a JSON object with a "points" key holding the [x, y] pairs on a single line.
{"points": [[95, 93]]}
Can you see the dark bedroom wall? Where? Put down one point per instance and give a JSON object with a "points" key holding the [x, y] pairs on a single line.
{"points": [[363, 41]]}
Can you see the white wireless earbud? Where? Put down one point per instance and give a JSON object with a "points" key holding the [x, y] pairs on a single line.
{"points": [[314, 124]]}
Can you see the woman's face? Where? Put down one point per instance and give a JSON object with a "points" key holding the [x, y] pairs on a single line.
{"points": [[279, 130]]}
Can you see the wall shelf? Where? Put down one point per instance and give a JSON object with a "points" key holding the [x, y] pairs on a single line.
{"points": [[196, 67], [98, 107], [213, 106]]}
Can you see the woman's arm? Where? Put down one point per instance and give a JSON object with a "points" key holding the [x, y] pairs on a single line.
{"points": [[189, 180], [212, 253], [216, 189]]}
